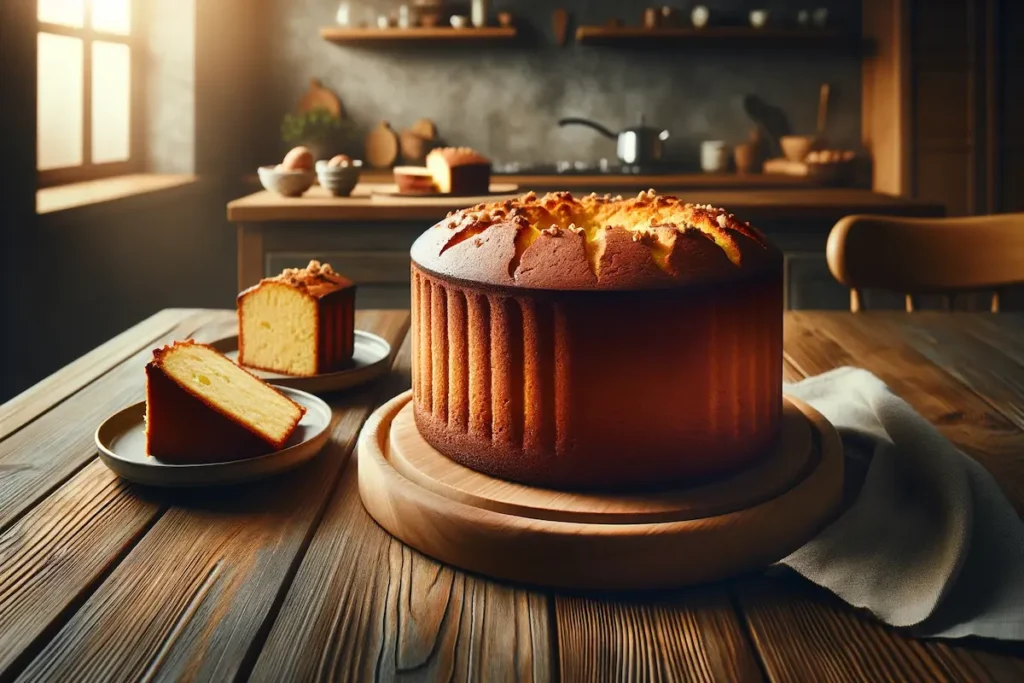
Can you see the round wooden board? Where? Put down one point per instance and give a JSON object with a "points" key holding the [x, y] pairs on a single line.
{"points": [[600, 540]]}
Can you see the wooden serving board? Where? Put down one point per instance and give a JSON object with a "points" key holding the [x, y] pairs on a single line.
{"points": [[389, 194], [600, 540]]}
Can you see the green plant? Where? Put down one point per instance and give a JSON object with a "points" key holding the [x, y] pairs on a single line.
{"points": [[316, 125]]}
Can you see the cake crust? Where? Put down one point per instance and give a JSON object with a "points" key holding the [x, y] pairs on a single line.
{"points": [[594, 243]]}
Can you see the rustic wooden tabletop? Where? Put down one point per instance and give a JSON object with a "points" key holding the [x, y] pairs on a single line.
{"points": [[290, 579]]}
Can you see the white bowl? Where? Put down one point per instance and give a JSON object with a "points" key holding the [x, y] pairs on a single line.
{"points": [[286, 183], [459, 21]]}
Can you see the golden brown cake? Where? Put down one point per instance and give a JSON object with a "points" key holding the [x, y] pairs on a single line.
{"points": [[459, 170], [414, 180], [301, 322], [201, 407], [597, 342]]}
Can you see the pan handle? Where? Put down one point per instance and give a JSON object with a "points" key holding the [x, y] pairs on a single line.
{"points": [[584, 122]]}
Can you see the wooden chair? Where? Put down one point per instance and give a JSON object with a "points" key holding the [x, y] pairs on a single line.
{"points": [[927, 255]]}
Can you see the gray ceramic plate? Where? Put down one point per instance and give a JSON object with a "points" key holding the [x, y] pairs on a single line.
{"points": [[121, 440], [369, 361]]}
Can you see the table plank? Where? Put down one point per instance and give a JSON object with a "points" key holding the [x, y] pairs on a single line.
{"points": [[51, 558], [49, 392], [49, 450], [691, 635], [193, 596], [976, 360], [817, 342], [805, 633], [363, 606]]}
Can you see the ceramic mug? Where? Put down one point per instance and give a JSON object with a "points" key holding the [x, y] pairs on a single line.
{"points": [[714, 156]]}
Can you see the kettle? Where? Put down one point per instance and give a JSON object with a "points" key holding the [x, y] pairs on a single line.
{"points": [[639, 145]]}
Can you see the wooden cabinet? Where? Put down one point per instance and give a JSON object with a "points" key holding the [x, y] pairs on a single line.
{"points": [[942, 107]]}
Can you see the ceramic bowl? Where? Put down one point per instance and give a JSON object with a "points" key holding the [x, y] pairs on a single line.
{"points": [[796, 147], [339, 180], [286, 183]]}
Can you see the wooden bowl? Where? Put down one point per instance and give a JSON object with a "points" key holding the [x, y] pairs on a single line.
{"points": [[796, 147]]}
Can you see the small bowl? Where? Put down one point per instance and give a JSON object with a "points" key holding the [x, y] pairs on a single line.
{"points": [[796, 147], [459, 21], [285, 183], [339, 180]]}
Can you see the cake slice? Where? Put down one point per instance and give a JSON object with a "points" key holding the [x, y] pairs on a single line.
{"points": [[201, 407], [301, 322], [459, 170]]}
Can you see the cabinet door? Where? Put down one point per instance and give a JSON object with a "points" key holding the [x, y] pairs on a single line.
{"points": [[810, 285]]}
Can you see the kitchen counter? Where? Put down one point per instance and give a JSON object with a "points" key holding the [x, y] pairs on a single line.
{"points": [[368, 238], [803, 203]]}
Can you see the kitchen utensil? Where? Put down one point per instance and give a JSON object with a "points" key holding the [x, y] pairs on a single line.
{"points": [[319, 97], [640, 144], [338, 180], [560, 23], [382, 146], [478, 12], [505, 19], [758, 18], [823, 109], [652, 16], [771, 119], [425, 128], [404, 17], [285, 183], [714, 156], [538, 536], [745, 157], [796, 147], [459, 21], [414, 146], [700, 16]]}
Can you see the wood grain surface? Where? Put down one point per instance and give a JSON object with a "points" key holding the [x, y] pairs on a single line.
{"points": [[364, 606], [291, 580], [827, 204]]}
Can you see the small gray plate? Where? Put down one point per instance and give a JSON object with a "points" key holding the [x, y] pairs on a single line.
{"points": [[369, 361], [121, 440]]}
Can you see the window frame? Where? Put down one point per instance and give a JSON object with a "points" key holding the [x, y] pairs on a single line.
{"points": [[88, 170]]}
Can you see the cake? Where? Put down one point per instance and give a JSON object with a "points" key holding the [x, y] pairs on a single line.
{"points": [[301, 322], [201, 407], [414, 180], [597, 342], [459, 170]]}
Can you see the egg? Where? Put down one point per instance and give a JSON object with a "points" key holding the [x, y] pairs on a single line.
{"points": [[298, 159], [340, 160]]}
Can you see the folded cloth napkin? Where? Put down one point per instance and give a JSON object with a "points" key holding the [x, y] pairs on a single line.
{"points": [[929, 541]]}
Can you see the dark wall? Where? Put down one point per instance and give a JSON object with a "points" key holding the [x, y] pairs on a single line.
{"points": [[505, 100]]}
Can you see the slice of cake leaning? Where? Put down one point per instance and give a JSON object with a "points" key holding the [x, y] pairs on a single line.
{"points": [[201, 407], [301, 322]]}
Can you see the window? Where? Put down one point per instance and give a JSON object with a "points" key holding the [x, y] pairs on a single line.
{"points": [[87, 110]]}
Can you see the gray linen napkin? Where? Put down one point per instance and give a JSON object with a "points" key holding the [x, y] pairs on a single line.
{"points": [[930, 541]]}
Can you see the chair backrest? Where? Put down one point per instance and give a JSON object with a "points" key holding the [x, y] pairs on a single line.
{"points": [[927, 255]]}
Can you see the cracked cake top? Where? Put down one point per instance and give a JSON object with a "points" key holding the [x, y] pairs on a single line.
{"points": [[560, 242]]}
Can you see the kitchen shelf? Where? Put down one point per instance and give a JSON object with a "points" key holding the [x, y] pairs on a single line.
{"points": [[725, 36], [415, 34]]}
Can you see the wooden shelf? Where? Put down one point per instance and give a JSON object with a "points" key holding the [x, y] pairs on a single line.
{"points": [[726, 36], [415, 34]]}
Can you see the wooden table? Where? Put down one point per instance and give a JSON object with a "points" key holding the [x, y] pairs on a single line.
{"points": [[368, 240], [289, 579]]}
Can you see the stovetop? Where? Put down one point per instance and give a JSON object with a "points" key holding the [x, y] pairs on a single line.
{"points": [[602, 167]]}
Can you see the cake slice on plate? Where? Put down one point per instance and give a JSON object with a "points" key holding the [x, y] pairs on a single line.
{"points": [[301, 322], [459, 170], [201, 407]]}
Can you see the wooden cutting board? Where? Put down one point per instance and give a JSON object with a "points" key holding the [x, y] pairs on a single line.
{"points": [[389, 194], [382, 146], [600, 540]]}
